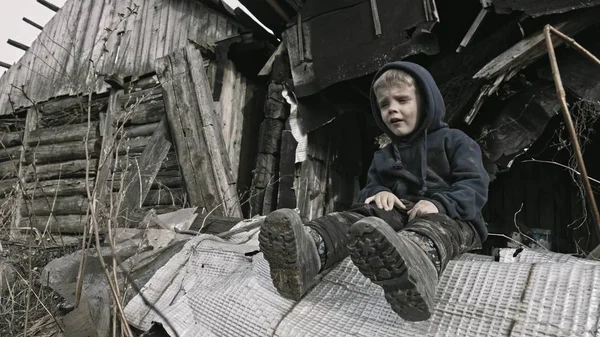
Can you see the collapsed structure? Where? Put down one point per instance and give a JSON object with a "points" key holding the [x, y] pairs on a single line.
{"points": [[119, 108]]}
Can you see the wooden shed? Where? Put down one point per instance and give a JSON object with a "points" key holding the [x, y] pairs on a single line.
{"points": [[87, 121]]}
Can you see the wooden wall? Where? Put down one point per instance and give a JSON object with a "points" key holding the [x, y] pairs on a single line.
{"points": [[54, 161], [58, 169], [120, 37]]}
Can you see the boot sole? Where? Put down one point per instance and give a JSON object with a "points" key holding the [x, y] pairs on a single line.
{"points": [[386, 259], [280, 247]]}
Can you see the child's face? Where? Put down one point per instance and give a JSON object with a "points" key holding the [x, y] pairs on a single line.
{"points": [[400, 108]]}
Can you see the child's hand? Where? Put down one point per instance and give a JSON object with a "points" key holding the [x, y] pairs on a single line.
{"points": [[386, 200], [421, 208]]}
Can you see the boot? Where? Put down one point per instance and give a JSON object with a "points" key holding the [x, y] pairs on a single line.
{"points": [[398, 263], [291, 252]]}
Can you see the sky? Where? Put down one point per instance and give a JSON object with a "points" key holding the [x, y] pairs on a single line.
{"points": [[13, 27]]}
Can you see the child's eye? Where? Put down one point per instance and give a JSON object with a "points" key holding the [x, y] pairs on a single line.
{"points": [[383, 105]]}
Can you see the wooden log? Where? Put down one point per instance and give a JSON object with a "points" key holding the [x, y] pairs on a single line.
{"points": [[71, 110], [257, 201], [287, 196], [142, 130], [196, 133], [56, 224], [139, 180], [8, 185], [265, 176], [266, 169], [69, 205], [270, 136], [142, 107], [168, 179], [275, 109], [70, 169], [133, 145], [9, 169], [53, 153], [63, 134], [10, 139], [60, 187], [11, 153]]}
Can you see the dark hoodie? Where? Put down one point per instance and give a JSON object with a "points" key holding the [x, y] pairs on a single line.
{"points": [[433, 162]]}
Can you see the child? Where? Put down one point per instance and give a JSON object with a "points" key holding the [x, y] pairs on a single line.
{"points": [[421, 206]]}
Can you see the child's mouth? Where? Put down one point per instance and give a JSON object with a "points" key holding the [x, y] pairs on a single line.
{"points": [[396, 121]]}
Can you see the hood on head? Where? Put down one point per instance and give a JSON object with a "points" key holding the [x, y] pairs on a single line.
{"points": [[433, 108]]}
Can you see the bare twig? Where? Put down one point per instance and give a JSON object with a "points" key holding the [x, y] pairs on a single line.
{"points": [[561, 165]]}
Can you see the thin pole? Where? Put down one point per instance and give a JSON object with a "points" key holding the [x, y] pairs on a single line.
{"points": [[17, 45], [5, 65], [49, 5], [575, 45], [33, 24], [560, 92]]}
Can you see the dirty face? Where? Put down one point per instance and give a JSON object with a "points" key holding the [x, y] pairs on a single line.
{"points": [[400, 108]]}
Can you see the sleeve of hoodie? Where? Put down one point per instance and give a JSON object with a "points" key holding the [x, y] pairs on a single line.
{"points": [[374, 184], [469, 188]]}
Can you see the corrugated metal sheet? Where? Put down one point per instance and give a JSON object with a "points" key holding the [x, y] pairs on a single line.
{"points": [[87, 38]]}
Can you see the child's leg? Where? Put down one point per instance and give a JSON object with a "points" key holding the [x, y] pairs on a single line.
{"points": [[297, 253], [407, 264], [332, 230]]}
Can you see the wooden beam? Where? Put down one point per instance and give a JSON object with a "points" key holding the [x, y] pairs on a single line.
{"points": [[196, 132], [49, 5], [17, 44], [140, 178], [33, 24], [5, 65], [376, 20]]}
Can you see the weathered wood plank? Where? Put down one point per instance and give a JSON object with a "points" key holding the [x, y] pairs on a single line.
{"points": [[530, 49], [139, 180], [196, 132], [213, 224]]}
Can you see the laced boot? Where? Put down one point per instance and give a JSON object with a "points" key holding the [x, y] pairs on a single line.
{"points": [[405, 264], [291, 252]]}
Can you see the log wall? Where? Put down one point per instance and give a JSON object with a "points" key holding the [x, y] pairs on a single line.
{"points": [[61, 162]]}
